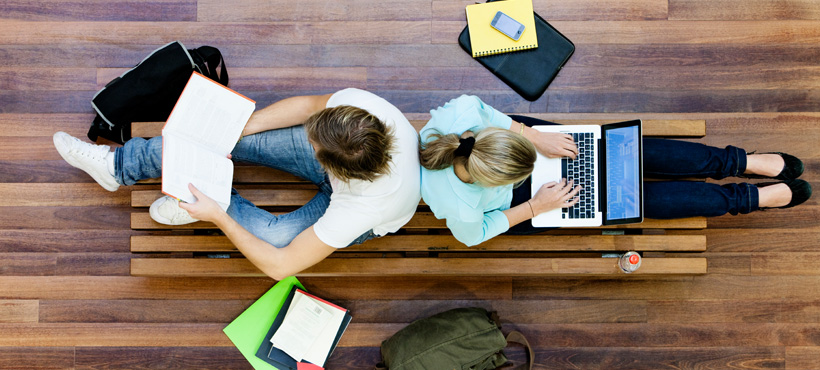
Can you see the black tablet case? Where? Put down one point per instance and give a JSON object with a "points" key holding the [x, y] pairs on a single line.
{"points": [[528, 72]]}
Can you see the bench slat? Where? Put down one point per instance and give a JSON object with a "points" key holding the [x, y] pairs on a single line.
{"points": [[428, 243], [361, 267], [651, 127], [422, 220]]}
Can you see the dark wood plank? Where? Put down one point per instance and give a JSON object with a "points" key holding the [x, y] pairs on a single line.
{"points": [[141, 311], [53, 195], [205, 358], [113, 335], [47, 78], [37, 358], [737, 311], [72, 218], [727, 357], [86, 10], [67, 241], [751, 10]]}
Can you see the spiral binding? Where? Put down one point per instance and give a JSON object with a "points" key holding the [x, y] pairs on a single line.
{"points": [[504, 50]]}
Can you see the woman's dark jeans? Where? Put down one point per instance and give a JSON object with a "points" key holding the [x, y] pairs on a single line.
{"points": [[671, 159]]}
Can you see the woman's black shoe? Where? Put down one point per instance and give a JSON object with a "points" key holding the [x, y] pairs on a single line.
{"points": [[801, 192], [792, 168]]}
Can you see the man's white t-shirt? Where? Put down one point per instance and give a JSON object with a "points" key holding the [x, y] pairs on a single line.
{"points": [[385, 204]]}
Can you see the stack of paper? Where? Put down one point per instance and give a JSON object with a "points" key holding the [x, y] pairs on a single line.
{"points": [[309, 328]]}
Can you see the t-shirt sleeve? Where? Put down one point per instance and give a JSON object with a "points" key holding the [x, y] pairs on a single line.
{"points": [[473, 233], [344, 221], [490, 116]]}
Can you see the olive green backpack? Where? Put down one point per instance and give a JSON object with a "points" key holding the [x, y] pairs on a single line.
{"points": [[461, 338]]}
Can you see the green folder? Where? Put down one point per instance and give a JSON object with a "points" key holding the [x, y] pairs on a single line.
{"points": [[249, 329]]}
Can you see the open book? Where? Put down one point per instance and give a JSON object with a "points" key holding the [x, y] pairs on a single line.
{"points": [[201, 131]]}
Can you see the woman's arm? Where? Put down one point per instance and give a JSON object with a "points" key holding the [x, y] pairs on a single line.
{"points": [[550, 144]]}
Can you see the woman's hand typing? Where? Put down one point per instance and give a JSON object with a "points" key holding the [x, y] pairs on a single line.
{"points": [[554, 195]]}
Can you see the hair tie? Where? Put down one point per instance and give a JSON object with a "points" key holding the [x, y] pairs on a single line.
{"points": [[465, 147]]}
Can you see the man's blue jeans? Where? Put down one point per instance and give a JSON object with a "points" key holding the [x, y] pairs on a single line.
{"points": [[675, 159], [285, 149]]}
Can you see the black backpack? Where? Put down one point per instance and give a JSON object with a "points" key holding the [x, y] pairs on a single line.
{"points": [[148, 92]]}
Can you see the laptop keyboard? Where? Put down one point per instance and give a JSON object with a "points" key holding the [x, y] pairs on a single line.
{"points": [[581, 170]]}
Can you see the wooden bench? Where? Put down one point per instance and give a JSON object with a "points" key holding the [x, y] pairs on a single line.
{"points": [[423, 246]]}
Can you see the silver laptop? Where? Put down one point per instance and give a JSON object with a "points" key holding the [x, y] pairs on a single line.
{"points": [[609, 168]]}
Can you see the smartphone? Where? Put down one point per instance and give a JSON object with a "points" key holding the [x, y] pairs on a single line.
{"points": [[508, 26]]}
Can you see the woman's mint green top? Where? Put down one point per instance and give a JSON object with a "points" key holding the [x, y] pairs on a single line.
{"points": [[473, 212]]}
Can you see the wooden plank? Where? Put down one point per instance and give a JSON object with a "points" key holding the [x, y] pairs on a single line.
{"points": [[126, 358], [36, 358], [782, 240], [259, 197], [312, 10], [582, 10], [141, 311], [803, 358], [633, 78], [19, 311], [87, 10], [16, 78], [672, 126], [43, 124], [67, 241], [128, 287], [47, 101], [669, 32], [530, 311], [725, 10], [39, 171], [264, 79], [421, 220], [158, 33], [644, 358], [778, 263], [441, 243], [113, 335], [40, 264], [734, 311], [693, 55], [52, 195], [421, 267], [71, 218]]}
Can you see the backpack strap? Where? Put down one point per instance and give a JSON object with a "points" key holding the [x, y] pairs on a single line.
{"points": [[211, 59], [516, 337]]}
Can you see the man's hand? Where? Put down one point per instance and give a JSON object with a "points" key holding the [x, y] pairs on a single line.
{"points": [[205, 208]]}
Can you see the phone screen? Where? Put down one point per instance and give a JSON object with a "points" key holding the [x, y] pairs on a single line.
{"points": [[507, 25]]}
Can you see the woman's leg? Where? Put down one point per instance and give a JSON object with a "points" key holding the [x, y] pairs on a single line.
{"points": [[666, 158], [680, 199]]}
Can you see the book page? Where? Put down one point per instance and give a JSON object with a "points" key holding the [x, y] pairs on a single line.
{"points": [[211, 173], [304, 322], [210, 114]]}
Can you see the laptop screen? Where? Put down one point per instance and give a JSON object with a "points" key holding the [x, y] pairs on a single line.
{"points": [[623, 173]]}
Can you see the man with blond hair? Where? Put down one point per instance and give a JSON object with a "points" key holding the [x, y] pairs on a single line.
{"points": [[358, 149]]}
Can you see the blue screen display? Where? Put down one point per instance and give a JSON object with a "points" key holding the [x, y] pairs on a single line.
{"points": [[623, 187]]}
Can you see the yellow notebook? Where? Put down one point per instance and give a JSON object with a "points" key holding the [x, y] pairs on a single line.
{"points": [[485, 40]]}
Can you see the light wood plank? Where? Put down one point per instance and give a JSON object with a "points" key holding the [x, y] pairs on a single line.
{"points": [[802, 358], [113, 335], [727, 10], [442, 243], [158, 33], [19, 311], [312, 10], [589, 10], [92, 10], [421, 220], [422, 267]]}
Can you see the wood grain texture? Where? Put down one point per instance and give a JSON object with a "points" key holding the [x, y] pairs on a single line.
{"points": [[737, 311], [583, 10], [312, 10], [19, 311], [802, 358], [751, 10], [94, 10], [126, 358], [36, 358], [373, 267]]}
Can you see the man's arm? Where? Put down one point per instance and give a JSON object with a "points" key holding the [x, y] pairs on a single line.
{"points": [[304, 251], [285, 113]]}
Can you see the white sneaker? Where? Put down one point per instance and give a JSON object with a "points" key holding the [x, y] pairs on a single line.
{"points": [[166, 211], [88, 157]]}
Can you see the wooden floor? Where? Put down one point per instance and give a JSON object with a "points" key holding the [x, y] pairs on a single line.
{"points": [[750, 68]]}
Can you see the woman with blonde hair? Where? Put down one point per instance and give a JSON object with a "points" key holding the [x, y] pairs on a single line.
{"points": [[476, 163]]}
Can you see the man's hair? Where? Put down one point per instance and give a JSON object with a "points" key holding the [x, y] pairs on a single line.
{"points": [[350, 142], [499, 157]]}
